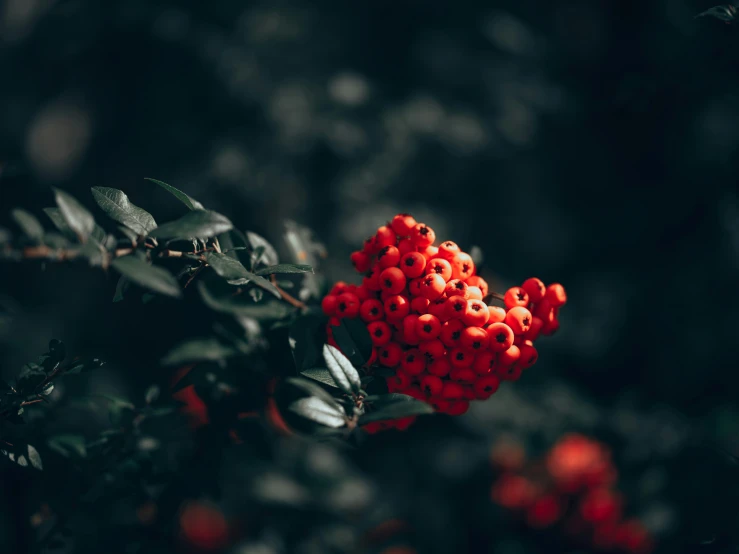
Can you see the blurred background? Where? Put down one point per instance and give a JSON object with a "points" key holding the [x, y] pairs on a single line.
{"points": [[589, 143]]}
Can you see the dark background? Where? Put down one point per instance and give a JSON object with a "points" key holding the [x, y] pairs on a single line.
{"points": [[592, 143]]}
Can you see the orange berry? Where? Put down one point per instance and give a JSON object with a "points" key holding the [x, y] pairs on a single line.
{"points": [[496, 314], [462, 266], [451, 333], [510, 356], [420, 304], [501, 337], [529, 356], [428, 327], [456, 287], [412, 264], [403, 224], [422, 235], [475, 293], [429, 252], [456, 307], [441, 267], [405, 246], [476, 314], [480, 283], [392, 279], [516, 296], [534, 288], [474, 338], [409, 329], [448, 250], [432, 286], [556, 295], [518, 319], [388, 256]]}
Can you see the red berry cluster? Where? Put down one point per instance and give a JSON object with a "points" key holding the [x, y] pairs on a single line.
{"points": [[572, 487], [426, 315]]}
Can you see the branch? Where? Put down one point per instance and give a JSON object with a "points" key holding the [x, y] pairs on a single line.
{"points": [[294, 302]]}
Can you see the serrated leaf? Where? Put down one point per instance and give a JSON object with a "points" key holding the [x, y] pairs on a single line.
{"points": [[76, 216], [115, 203], [317, 410], [57, 219], [68, 445], [314, 390], [22, 454], [181, 196], [28, 223], [198, 350], [354, 340], [267, 254], [398, 405], [148, 276], [320, 375], [236, 274], [243, 305], [342, 370], [285, 269], [200, 224], [725, 13]]}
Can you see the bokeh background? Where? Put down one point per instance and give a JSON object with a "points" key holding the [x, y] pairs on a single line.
{"points": [[590, 143]]}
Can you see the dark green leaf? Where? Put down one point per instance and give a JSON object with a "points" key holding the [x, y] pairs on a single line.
{"points": [[148, 276], [317, 410], [320, 375], [266, 255], [725, 13], [21, 454], [29, 378], [285, 268], [181, 196], [28, 224], [120, 288], [128, 233], [307, 337], [93, 251], [98, 233], [69, 445], [314, 390], [115, 203], [56, 217], [242, 304], [55, 240], [398, 405], [354, 340], [236, 274], [83, 365], [118, 408], [198, 350], [151, 394], [342, 370], [77, 217], [199, 224]]}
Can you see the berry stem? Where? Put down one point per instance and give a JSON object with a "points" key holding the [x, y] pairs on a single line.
{"points": [[495, 295], [287, 297]]}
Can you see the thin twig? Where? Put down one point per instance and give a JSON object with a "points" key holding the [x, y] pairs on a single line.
{"points": [[194, 274], [287, 297]]}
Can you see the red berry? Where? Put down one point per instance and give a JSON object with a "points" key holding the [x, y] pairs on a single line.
{"points": [[516, 296], [405, 246], [451, 333], [388, 256], [409, 329], [414, 287], [448, 250], [400, 381], [422, 235], [545, 511], [508, 372], [518, 319], [429, 252], [463, 374], [501, 337], [462, 266], [413, 362], [497, 314], [600, 505], [529, 356], [428, 327], [469, 391], [431, 385], [339, 288], [329, 304], [474, 338], [452, 391], [371, 279], [438, 308], [412, 264], [458, 408], [534, 288], [360, 261], [390, 354], [485, 362], [476, 314], [362, 293], [510, 356], [441, 267], [370, 246], [536, 326], [456, 307], [475, 293], [420, 304], [392, 279], [432, 286], [556, 295], [486, 386], [434, 348], [439, 404], [456, 287], [439, 367], [371, 310], [461, 357], [385, 237], [380, 332], [347, 305], [403, 224], [480, 283], [550, 328], [396, 307]]}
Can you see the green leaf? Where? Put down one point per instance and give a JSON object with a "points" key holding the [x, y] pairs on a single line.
{"points": [[115, 203], [354, 340], [342, 370], [56, 217], [152, 394], [76, 216], [314, 390], [236, 273], [262, 251], [725, 13], [21, 454], [148, 276], [397, 405], [321, 375], [285, 268], [28, 224], [242, 305], [68, 445], [306, 337], [198, 350], [181, 196], [317, 410], [200, 224], [83, 365], [120, 288], [128, 233]]}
